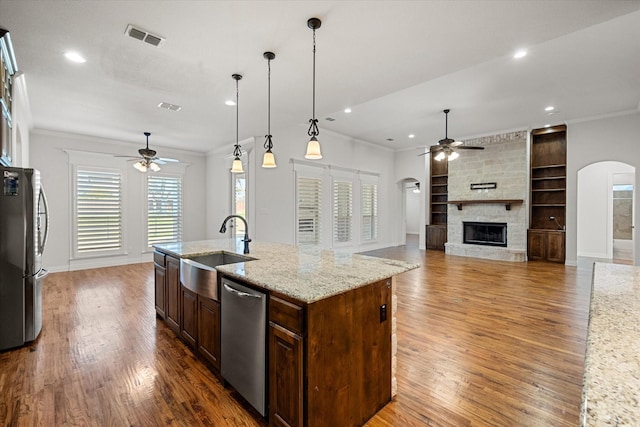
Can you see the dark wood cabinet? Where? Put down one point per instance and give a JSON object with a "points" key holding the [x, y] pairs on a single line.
{"points": [[209, 330], [172, 281], [285, 377], [548, 173], [546, 245], [286, 373], [438, 208], [160, 289], [189, 316]]}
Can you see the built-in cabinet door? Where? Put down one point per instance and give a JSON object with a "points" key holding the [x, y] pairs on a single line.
{"points": [[189, 317], [555, 246], [160, 290], [536, 242], [209, 330], [173, 294], [285, 377]]}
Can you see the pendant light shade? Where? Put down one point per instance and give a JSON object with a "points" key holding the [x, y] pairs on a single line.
{"points": [[313, 147], [236, 167], [268, 160]]}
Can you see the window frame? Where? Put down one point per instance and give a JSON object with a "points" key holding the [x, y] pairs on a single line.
{"points": [[148, 176]]}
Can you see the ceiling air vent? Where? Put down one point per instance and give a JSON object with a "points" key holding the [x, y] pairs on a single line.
{"points": [[169, 106], [145, 36]]}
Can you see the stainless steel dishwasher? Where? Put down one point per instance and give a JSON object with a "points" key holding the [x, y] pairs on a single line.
{"points": [[243, 332]]}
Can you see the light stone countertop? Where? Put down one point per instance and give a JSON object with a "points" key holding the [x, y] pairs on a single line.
{"points": [[306, 274], [611, 390]]}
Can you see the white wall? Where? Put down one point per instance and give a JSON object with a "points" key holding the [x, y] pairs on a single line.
{"points": [[271, 196], [593, 217], [413, 210], [608, 139], [48, 156]]}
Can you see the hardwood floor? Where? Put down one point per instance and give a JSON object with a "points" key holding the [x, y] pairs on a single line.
{"points": [[480, 343]]}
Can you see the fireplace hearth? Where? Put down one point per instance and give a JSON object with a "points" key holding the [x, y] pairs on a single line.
{"points": [[485, 233]]}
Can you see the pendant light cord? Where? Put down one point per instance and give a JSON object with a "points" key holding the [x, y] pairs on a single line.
{"points": [[268, 144], [236, 151], [313, 129]]}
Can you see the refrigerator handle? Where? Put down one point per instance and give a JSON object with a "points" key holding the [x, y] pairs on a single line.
{"points": [[46, 219]]}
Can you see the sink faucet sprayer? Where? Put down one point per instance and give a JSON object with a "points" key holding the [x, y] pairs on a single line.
{"points": [[246, 239]]}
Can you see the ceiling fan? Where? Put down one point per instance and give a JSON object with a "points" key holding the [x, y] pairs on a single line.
{"points": [[447, 147], [149, 160]]}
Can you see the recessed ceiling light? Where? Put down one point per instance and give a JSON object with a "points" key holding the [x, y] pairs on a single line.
{"points": [[549, 108], [75, 57], [520, 54], [347, 110], [412, 136], [230, 102]]}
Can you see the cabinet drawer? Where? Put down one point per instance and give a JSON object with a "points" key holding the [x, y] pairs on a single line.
{"points": [[158, 258], [286, 314]]}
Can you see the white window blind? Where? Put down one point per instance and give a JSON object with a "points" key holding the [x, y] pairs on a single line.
{"points": [[98, 210], [309, 198], [369, 210], [342, 211], [164, 209]]}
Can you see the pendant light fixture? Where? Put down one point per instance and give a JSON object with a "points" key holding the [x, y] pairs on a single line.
{"points": [[313, 147], [268, 160], [237, 153]]}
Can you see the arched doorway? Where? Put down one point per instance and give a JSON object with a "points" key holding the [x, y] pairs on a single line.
{"points": [[606, 192]]}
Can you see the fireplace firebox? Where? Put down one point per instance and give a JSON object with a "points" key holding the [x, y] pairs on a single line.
{"points": [[485, 233]]}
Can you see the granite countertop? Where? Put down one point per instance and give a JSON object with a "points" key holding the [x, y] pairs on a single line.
{"points": [[306, 274], [611, 391]]}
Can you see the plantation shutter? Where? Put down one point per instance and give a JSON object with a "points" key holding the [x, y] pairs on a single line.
{"points": [[164, 209], [309, 197], [369, 211], [342, 211], [98, 210]]}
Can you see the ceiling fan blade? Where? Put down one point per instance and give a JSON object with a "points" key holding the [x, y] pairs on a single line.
{"points": [[470, 147], [169, 160], [456, 143]]}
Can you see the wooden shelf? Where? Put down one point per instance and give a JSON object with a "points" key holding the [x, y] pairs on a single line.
{"points": [[548, 166], [549, 204], [548, 189], [506, 202], [548, 178]]}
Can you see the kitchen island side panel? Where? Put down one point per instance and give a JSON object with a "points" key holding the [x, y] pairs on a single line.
{"points": [[348, 356]]}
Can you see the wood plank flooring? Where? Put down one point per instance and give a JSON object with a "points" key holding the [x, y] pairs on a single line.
{"points": [[481, 343]]}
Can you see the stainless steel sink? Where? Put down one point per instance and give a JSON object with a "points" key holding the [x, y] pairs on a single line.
{"points": [[199, 275]]}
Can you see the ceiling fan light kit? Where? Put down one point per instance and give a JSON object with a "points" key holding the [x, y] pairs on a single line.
{"points": [[447, 147]]}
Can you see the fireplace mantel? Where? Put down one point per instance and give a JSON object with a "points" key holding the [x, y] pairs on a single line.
{"points": [[506, 202]]}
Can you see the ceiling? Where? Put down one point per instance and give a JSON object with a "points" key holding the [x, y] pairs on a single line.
{"points": [[396, 64]]}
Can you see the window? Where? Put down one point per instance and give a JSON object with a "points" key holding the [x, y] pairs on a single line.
{"points": [[342, 211], [164, 209], [369, 210], [239, 202], [98, 211], [309, 197]]}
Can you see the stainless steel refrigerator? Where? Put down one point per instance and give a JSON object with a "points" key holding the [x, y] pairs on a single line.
{"points": [[24, 226]]}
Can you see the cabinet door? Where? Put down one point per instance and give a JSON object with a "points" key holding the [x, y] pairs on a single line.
{"points": [[209, 330], [555, 246], [160, 291], [189, 317], [536, 244], [436, 237], [173, 294], [285, 377]]}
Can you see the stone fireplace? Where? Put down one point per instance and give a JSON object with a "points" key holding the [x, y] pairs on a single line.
{"points": [[504, 162]]}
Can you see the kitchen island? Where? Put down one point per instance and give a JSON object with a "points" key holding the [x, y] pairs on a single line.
{"points": [[331, 325], [612, 364]]}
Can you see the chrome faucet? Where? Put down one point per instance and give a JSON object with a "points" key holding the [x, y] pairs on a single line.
{"points": [[246, 239]]}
